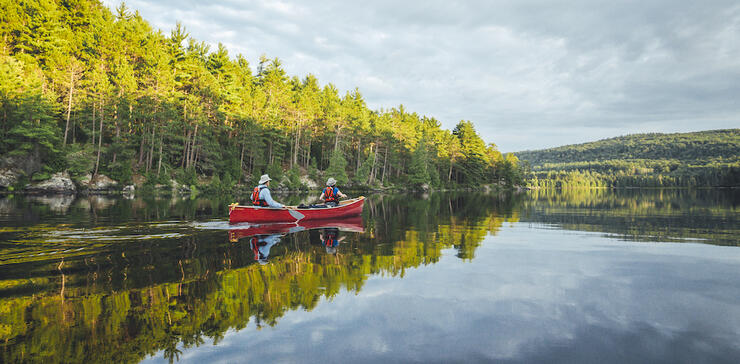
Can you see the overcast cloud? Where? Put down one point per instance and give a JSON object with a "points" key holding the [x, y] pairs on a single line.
{"points": [[528, 74]]}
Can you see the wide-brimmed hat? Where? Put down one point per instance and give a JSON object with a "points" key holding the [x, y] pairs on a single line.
{"points": [[265, 178], [331, 181]]}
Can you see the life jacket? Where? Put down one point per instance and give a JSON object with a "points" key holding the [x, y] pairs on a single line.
{"points": [[329, 195], [331, 240], [256, 197], [253, 243]]}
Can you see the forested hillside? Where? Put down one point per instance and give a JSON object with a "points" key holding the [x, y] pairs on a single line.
{"points": [[92, 92], [706, 158]]}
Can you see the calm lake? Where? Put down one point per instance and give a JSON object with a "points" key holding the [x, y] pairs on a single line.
{"points": [[590, 276]]}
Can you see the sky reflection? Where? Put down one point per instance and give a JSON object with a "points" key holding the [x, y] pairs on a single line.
{"points": [[530, 295]]}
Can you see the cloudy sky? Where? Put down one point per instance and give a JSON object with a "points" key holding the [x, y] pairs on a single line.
{"points": [[528, 74]]}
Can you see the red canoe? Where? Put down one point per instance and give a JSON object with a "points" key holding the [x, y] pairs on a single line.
{"points": [[350, 224], [263, 215]]}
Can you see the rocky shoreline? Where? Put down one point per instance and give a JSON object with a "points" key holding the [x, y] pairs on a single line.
{"points": [[61, 183]]}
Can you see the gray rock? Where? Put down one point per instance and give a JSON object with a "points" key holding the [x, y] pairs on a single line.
{"points": [[8, 178], [99, 183], [309, 182], [58, 183]]}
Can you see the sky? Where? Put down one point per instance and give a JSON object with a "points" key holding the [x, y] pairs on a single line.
{"points": [[528, 74]]}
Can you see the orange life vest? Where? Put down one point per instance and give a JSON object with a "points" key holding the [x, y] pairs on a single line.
{"points": [[331, 240], [256, 197], [329, 195], [255, 248]]}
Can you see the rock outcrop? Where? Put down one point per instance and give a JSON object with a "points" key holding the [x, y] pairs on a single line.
{"points": [[101, 183], [8, 177], [58, 183], [309, 182], [130, 189]]}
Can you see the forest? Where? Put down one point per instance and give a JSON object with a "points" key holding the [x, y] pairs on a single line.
{"points": [[93, 92], [699, 159]]}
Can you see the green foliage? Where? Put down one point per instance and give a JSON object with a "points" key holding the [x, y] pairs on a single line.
{"points": [[709, 158], [27, 111], [40, 176], [313, 171], [363, 174], [294, 179], [121, 172], [419, 171], [146, 103], [187, 176], [337, 167], [215, 185], [275, 171], [80, 162]]}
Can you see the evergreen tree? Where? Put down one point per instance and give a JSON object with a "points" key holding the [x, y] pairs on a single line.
{"points": [[419, 171], [337, 167]]}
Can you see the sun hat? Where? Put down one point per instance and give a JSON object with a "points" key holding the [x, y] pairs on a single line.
{"points": [[265, 178], [331, 181]]}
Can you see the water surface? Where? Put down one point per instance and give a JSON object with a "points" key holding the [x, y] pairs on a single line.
{"points": [[546, 276]]}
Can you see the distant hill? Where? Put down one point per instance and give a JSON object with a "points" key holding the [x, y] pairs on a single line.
{"points": [[705, 158]]}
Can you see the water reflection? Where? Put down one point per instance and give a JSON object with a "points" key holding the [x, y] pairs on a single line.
{"points": [[263, 237], [125, 279], [666, 215]]}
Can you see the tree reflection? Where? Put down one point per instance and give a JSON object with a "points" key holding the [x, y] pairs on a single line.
{"points": [[126, 301]]}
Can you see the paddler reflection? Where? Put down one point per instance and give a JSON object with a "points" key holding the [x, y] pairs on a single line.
{"points": [[331, 239], [261, 244]]}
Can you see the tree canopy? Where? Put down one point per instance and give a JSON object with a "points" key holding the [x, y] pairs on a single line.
{"points": [[95, 91]]}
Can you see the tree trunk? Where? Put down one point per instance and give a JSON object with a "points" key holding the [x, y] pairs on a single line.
{"points": [[294, 160], [191, 157], [372, 169], [151, 148], [269, 152], [385, 163], [241, 162], [336, 139], [449, 174], [69, 104], [118, 131], [308, 152], [100, 141], [159, 164], [359, 146], [93, 125], [141, 146], [185, 149]]}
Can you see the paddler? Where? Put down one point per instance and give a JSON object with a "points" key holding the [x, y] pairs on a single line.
{"points": [[261, 194], [331, 194]]}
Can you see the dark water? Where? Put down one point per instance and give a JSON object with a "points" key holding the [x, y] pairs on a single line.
{"points": [[576, 276]]}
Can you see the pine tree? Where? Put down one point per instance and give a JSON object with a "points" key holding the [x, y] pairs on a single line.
{"points": [[337, 167], [419, 169]]}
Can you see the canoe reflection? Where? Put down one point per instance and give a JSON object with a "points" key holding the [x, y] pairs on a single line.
{"points": [[263, 237]]}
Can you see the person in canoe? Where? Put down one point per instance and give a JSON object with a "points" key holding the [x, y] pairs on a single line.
{"points": [[331, 194], [261, 194]]}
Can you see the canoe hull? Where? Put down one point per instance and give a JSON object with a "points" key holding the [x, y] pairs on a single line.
{"points": [[348, 224], [264, 215]]}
